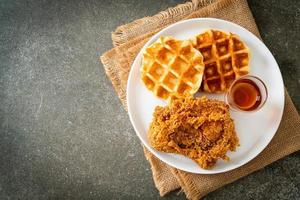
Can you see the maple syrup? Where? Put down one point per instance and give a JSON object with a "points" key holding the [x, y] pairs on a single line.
{"points": [[245, 94]]}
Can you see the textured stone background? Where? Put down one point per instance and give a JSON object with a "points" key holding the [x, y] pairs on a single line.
{"points": [[63, 131]]}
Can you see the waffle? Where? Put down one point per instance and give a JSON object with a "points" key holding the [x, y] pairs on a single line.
{"points": [[226, 58], [172, 68]]}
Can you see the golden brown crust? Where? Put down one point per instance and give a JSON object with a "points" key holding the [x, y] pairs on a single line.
{"points": [[172, 68], [226, 58], [195, 127]]}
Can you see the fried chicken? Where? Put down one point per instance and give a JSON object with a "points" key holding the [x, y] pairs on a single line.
{"points": [[199, 128]]}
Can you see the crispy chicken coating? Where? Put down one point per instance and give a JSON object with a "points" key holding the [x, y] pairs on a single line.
{"points": [[199, 128]]}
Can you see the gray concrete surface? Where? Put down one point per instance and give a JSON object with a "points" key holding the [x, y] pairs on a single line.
{"points": [[63, 131]]}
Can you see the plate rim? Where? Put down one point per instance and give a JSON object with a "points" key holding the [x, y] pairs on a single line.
{"points": [[150, 41]]}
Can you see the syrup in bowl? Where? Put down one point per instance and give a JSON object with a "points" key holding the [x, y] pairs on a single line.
{"points": [[248, 93]]}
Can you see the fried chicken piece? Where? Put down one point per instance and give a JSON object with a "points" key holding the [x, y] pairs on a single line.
{"points": [[199, 128]]}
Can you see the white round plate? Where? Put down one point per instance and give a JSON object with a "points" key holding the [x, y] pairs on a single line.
{"points": [[255, 130]]}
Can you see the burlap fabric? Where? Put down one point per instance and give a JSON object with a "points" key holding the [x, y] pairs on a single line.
{"points": [[129, 39]]}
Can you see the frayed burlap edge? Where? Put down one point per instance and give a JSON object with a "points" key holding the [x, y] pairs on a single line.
{"points": [[153, 24], [109, 65]]}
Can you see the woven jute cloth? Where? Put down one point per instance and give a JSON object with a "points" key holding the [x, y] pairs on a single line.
{"points": [[129, 39]]}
